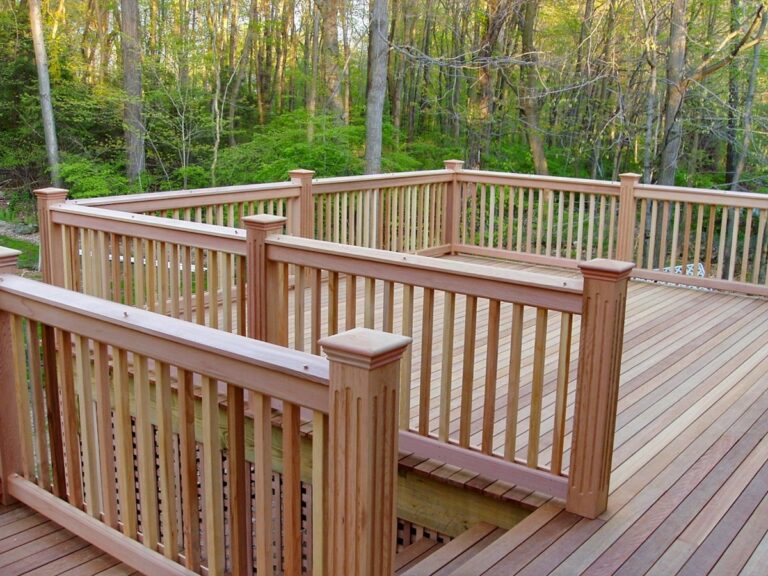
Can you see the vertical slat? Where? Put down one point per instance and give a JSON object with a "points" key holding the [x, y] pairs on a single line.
{"points": [[759, 246], [151, 272], [316, 321], [721, 246], [163, 281], [124, 442], [425, 380], [520, 218], [446, 371], [351, 307], [241, 271], [550, 221], [213, 289], [214, 499], [612, 226], [165, 458], [200, 278], [734, 242], [468, 371], [55, 432], [104, 427], [473, 215], [190, 516], [539, 219], [537, 387], [87, 427], [641, 233], [237, 468], [299, 332], [405, 365], [513, 383], [529, 224], [580, 230], [600, 226], [697, 243], [23, 406], [145, 454], [333, 303], [710, 239], [262, 441], [663, 235], [687, 236], [491, 214], [652, 239], [561, 395], [38, 405], [571, 220], [115, 266], [511, 216], [491, 372], [319, 493], [675, 233], [745, 249], [388, 312], [370, 303], [590, 226], [187, 282], [291, 488], [226, 291], [175, 287], [559, 236], [500, 224]]}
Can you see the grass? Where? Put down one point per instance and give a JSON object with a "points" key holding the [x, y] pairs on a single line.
{"points": [[29, 251]]}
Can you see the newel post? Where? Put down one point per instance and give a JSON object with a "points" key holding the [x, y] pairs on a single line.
{"points": [[267, 286], [452, 205], [363, 435], [626, 225], [597, 391], [51, 239], [9, 260], [303, 223]]}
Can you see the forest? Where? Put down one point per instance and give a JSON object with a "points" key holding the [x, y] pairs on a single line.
{"points": [[119, 96]]}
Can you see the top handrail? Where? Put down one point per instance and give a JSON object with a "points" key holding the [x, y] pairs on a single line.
{"points": [[371, 181], [250, 364], [532, 289], [150, 201], [701, 196], [606, 187]]}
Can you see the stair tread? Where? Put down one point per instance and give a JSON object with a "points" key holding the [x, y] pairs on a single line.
{"points": [[510, 540], [414, 552], [454, 549]]}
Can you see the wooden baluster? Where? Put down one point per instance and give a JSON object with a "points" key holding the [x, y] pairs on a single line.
{"points": [[600, 227], [550, 195], [213, 288], [388, 312], [190, 516], [69, 418], [559, 234], [687, 236], [333, 303], [580, 229], [292, 488], [212, 478], [491, 372], [145, 447], [261, 408], [641, 233], [512, 223], [425, 379], [571, 219], [165, 458], [320, 494], [675, 234], [561, 395], [38, 404], [446, 372], [315, 316], [104, 428], [54, 428], [759, 246], [363, 441], [537, 387], [241, 307], [710, 240], [124, 443], [487, 240], [734, 242], [600, 347], [590, 226], [721, 246], [652, 239], [663, 236], [238, 472], [369, 318], [627, 214], [87, 427], [513, 384], [521, 222], [468, 371], [746, 246], [539, 218], [15, 434], [405, 365]]}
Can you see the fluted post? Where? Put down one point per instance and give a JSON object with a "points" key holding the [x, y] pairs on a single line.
{"points": [[267, 286], [304, 225], [452, 205], [363, 434], [597, 392], [626, 225], [51, 238]]}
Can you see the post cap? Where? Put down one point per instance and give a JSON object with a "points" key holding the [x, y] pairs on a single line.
{"points": [[365, 348], [52, 192], [455, 165], [630, 176], [301, 173], [264, 222], [604, 269]]}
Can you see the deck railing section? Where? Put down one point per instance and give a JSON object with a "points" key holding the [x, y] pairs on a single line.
{"points": [[554, 218], [181, 269], [495, 341], [713, 239], [102, 438]]}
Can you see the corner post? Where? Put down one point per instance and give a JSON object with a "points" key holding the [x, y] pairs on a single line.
{"points": [[304, 222], [267, 286], [363, 437], [452, 205], [9, 260], [51, 238], [597, 391], [626, 225]]}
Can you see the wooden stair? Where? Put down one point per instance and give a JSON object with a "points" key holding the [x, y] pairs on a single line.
{"points": [[441, 560]]}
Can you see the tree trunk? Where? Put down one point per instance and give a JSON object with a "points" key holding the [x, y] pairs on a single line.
{"points": [[529, 104], [329, 11], [312, 99], [132, 114], [44, 89], [733, 102], [377, 74], [673, 131]]}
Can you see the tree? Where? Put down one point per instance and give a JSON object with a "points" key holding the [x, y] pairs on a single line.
{"points": [[377, 86], [132, 112], [44, 88]]}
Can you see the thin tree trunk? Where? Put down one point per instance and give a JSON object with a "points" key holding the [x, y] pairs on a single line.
{"points": [[377, 74], [312, 100], [733, 102], [329, 11], [132, 112], [673, 132], [529, 103], [44, 89]]}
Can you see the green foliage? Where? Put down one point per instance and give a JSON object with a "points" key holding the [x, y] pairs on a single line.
{"points": [[88, 178], [30, 252]]}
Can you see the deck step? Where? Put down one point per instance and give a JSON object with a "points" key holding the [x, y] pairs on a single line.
{"points": [[414, 553], [457, 552], [510, 540]]}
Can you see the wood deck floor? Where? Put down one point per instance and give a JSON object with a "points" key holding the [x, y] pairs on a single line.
{"points": [[690, 469], [689, 486], [32, 545]]}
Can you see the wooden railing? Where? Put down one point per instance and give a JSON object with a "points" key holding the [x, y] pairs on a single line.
{"points": [[102, 438], [485, 341]]}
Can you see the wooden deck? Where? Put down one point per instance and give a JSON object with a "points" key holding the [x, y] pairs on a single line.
{"points": [[689, 487], [34, 546], [690, 467]]}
